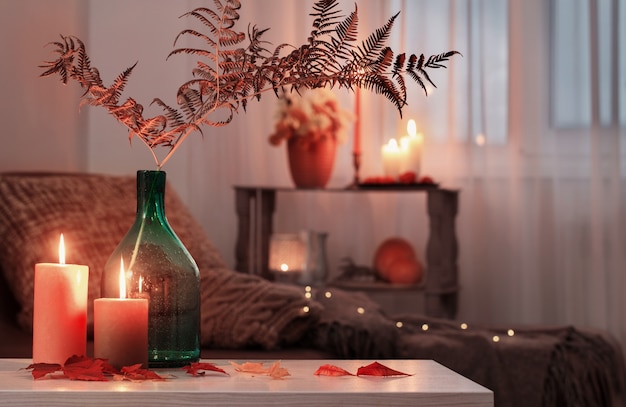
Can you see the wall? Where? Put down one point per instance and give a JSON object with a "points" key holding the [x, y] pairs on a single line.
{"points": [[42, 128]]}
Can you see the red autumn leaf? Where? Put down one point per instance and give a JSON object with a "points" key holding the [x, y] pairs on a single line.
{"points": [[108, 369], [39, 370], [377, 369], [136, 373], [200, 368], [84, 368], [331, 370]]}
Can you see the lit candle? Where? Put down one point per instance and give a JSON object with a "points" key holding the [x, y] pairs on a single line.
{"points": [[412, 143], [393, 158], [60, 310], [121, 328]]}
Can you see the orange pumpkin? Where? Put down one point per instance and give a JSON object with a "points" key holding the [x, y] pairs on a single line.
{"points": [[391, 250], [404, 271]]}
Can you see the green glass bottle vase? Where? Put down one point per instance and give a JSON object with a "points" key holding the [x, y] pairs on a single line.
{"points": [[159, 267]]}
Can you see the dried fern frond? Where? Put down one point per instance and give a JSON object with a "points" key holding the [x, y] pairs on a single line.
{"points": [[228, 74]]}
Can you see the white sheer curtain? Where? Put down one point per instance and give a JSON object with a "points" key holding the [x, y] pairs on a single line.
{"points": [[542, 217]]}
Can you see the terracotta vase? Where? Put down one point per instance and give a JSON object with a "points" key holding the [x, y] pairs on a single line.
{"points": [[311, 162]]}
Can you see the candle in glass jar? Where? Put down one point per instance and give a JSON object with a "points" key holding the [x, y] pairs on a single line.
{"points": [[121, 328], [59, 310]]}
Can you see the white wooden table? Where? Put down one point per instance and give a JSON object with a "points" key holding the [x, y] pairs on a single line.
{"points": [[431, 385]]}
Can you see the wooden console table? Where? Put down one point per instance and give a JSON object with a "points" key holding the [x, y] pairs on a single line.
{"points": [[255, 207], [431, 384]]}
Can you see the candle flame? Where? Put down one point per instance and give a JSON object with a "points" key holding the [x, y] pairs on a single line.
{"points": [[61, 250], [392, 145], [122, 280], [411, 128]]}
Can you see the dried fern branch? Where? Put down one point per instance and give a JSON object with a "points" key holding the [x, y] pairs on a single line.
{"points": [[228, 74]]}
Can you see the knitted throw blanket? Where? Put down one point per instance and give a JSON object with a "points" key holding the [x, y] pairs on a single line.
{"points": [[245, 311], [557, 366]]}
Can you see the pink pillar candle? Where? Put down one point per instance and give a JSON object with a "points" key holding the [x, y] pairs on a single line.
{"points": [[60, 312], [121, 331]]}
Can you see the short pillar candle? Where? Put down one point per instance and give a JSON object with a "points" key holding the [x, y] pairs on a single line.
{"points": [[121, 328], [59, 310]]}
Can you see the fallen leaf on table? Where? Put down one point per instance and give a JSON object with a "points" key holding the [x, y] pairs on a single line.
{"points": [[84, 368], [250, 367], [40, 370], [135, 373], [331, 370], [200, 368], [275, 371], [377, 369]]}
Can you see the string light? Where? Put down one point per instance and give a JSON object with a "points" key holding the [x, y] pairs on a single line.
{"points": [[360, 310], [307, 288], [399, 324], [424, 327], [306, 309], [510, 332], [307, 295], [328, 294], [496, 338], [463, 326]]}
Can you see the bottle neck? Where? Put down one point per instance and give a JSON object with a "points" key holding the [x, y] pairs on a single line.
{"points": [[150, 194]]}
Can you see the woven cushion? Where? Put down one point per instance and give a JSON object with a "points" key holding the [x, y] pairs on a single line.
{"points": [[94, 212]]}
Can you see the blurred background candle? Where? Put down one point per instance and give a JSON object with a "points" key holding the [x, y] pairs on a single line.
{"points": [[412, 145], [60, 310], [394, 158], [121, 328], [286, 257]]}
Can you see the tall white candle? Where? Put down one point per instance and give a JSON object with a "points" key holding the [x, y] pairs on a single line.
{"points": [[60, 310]]}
